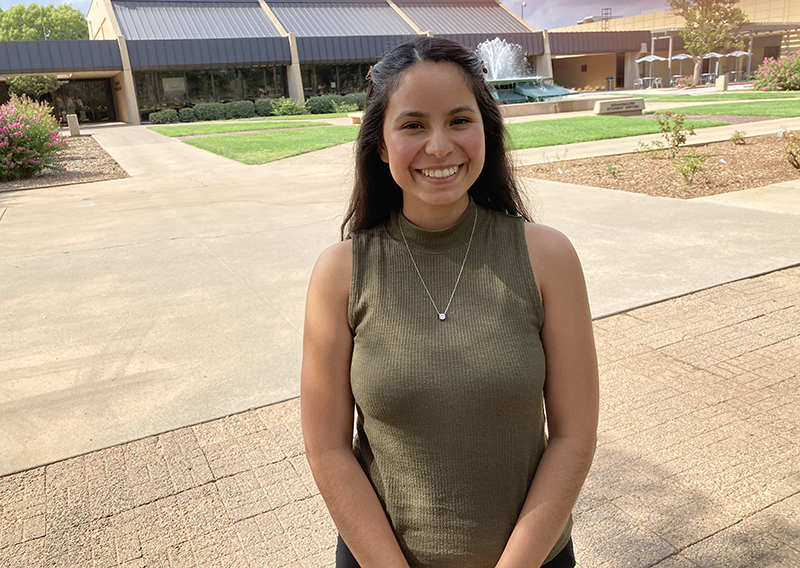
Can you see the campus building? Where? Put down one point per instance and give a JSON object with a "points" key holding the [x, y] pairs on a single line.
{"points": [[773, 31], [144, 55]]}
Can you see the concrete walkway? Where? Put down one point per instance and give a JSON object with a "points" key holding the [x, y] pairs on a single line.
{"points": [[175, 297]]}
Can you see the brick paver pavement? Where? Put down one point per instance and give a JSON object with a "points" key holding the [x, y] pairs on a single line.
{"points": [[697, 464]]}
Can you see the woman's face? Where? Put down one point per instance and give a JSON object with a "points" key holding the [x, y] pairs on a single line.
{"points": [[433, 139]]}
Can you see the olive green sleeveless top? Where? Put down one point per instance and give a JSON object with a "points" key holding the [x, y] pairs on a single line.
{"points": [[450, 419]]}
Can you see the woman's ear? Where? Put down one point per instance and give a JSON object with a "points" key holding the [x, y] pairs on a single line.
{"points": [[382, 152]]}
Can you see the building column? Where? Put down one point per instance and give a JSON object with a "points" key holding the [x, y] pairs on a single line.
{"points": [[131, 105], [545, 61], [295, 78]]}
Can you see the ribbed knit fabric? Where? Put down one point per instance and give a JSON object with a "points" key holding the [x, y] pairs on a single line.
{"points": [[450, 420]]}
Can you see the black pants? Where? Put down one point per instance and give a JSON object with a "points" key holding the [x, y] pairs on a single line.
{"points": [[345, 558]]}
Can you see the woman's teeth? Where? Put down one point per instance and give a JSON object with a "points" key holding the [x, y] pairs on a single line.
{"points": [[440, 173]]}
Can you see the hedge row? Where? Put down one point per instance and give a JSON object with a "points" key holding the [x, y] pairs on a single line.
{"points": [[261, 107]]}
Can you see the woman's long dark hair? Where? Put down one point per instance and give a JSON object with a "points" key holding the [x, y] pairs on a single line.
{"points": [[375, 193]]}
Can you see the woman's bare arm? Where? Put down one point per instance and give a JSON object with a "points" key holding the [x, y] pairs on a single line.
{"points": [[571, 398], [326, 405]]}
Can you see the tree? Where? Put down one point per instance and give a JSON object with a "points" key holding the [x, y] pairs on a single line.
{"points": [[33, 86], [710, 25], [35, 22]]}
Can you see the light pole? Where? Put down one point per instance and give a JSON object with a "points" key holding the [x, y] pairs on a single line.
{"points": [[522, 9]]}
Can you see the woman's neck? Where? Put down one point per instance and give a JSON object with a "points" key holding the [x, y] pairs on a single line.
{"points": [[436, 218]]}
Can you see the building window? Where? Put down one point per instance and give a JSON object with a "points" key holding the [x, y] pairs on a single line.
{"points": [[583, 68]]}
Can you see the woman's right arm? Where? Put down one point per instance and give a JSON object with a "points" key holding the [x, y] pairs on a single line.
{"points": [[326, 403]]}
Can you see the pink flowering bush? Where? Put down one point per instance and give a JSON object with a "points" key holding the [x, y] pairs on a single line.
{"points": [[29, 138], [778, 74]]}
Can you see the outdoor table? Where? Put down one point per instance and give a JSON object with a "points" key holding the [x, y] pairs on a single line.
{"points": [[648, 81]]}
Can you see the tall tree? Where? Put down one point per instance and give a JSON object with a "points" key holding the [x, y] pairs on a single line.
{"points": [[37, 22], [710, 25], [34, 86]]}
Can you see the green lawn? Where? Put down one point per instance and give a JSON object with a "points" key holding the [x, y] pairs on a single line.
{"points": [[263, 147], [778, 109], [221, 127], [740, 96], [585, 128], [298, 116]]}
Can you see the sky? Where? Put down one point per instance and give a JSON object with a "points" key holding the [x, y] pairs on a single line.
{"points": [[550, 14], [541, 14], [82, 5]]}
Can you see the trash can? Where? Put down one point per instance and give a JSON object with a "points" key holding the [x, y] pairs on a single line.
{"points": [[609, 83]]}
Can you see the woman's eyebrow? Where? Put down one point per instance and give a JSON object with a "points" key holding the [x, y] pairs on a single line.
{"points": [[420, 114]]}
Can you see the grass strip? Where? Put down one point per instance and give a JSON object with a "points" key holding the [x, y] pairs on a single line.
{"points": [[537, 134], [778, 109], [263, 147], [743, 96], [299, 116], [200, 128]]}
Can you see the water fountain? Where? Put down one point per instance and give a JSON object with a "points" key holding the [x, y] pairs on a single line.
{"points": [[511, 77]]}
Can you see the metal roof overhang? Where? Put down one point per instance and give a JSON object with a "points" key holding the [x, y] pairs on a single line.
{"points": [[353, 49], [330, 19], [59, 56], [532, 43], [462, 17], [173, 19], [586, 43], [153, 55]]}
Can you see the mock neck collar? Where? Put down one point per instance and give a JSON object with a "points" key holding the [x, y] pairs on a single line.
{"points": [[436, 240]]}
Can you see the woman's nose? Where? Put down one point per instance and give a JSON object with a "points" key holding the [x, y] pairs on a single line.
{"points": [[439, 143]]}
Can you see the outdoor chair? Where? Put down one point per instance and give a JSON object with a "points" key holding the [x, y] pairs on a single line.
{"points": [[656, 84], [638, 84]]}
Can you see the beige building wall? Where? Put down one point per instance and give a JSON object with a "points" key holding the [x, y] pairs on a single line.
{"points": [[100, 22], [567, 71], [765, 11]]}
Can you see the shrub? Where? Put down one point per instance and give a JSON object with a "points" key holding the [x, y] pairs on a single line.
{"points": [[186, 114], [792, 147], [285, 106], [738, 137], [685, 81], [357, 99], [240, 109], [156, 118], [324, 104], [344, 107], [264, 107], [29, 139], [674, 131], [778, 74], [689, 165], [209, 111], [170, 115]]}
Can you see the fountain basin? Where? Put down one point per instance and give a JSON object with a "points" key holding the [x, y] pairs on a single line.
{"points": [[552, 106]]}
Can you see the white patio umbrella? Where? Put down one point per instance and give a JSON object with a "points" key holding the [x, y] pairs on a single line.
{"points": [[716, 56], [680, 57], [649, 59], [737, 54]]}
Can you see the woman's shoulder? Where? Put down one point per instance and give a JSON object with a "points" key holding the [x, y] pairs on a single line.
{"points": [[551, 253], [333, 268]]}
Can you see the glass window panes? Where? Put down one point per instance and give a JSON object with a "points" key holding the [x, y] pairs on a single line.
{"points": [[199, 86]]}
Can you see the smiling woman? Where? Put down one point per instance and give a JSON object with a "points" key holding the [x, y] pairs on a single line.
{"points": [[429, 322]]}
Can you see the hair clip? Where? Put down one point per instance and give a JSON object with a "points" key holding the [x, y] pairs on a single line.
{"points": [[368, 77], [483, 66]]}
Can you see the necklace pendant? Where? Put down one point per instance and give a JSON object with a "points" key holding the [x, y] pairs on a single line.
{"points": [[442, 316]]}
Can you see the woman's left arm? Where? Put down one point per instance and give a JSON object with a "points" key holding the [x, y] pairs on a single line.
{"points": [[571, 395]]}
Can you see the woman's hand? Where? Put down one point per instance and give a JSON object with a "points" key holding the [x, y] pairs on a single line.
{"points": [[327, 415], [571, 395]]}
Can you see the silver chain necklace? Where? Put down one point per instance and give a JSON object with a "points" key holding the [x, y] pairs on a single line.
{"points": [[442, 315]]}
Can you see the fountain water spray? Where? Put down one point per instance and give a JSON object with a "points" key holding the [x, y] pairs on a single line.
{"points": [[511, 76]]}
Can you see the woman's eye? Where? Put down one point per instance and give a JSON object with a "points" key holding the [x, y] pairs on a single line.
{"points": [[412, 126], [460, 121]]}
